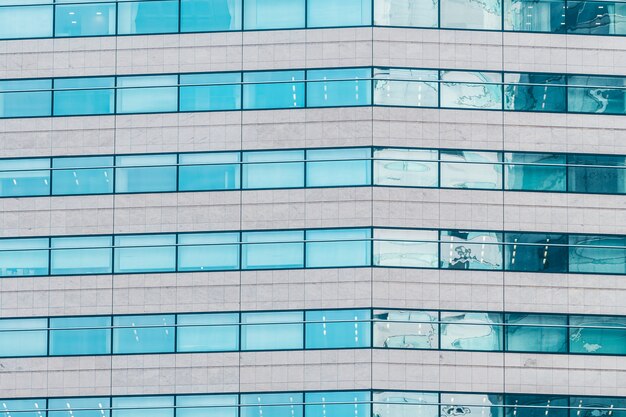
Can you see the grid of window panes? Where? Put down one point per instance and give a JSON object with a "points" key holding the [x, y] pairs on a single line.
{"points": [[70, 18], [313, 329], [294, 89]]}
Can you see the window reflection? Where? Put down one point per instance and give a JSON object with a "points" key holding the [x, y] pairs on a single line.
{"points": [[406, 87], [471, 331], [406, 329], [471, 90]]}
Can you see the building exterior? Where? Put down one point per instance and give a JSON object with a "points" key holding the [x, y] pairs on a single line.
{"points": [[330, 208]]}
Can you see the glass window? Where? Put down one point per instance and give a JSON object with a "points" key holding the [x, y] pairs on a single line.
{"points": [[535, 171], [405, 404], [330, 13], [471, 250], [85, 19], [78, 96], [323, 91], [534, 15], [287, 404], [410, 13], [596, 17], [24, 177], [406, 248], [225, 405], [208, 251], [536, 333], [82, 175], [272, 250], [468, 169], [23, 408], [597, 254], [25, 98], [153, 16], [466, 14], [145, 173], [272, 169], [273, 14], [217, 332], [210, 15], [525, 405], [338, 248], [147, 93], [535, 92], [331, 329], [485, 405], [79, 407], [272, 331], [200, 92], [595, 94], [471, 331], [32, 336], [81, 255], [406, 167], [536, 252], [601, 174], [602, 335], [209, 171], [157, 406], [338, 167], [337, 404], [23, 257], [594, 406], [80, 336], [26, 22], [406, 87], [471, 90], [409, 329], [143, 334], [145, 253], [273, 89]]}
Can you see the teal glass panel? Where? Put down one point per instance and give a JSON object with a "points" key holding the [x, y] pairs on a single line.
{"points": [[338, 167], [525, 405], [536, 333], [596, 17], [535, 92], [351, 88], [153, 16], [405, 404], [331, 13], [26, 98], [600, 174], [484, 405], [23, 257], [469, 169], [336, 329], [287, 404], [466, 14], [471, 90], [272, 250], [337, 404], [208, 251], [23, 408], [596, 94], [81, 255], [82, 175], [601, 335], [597, 406], [201, 92], [145, 253], [79, 407], [272, 331], [273, 14], [26, 22], [80, 336], [536, 252], [273, 169], [406, 248], [273, 89], [209, 171], [80, 96], [147, 93], [409, 13], [210, 15], [535, 172], [406, 167], [338, 248], [143, 334], [597, 254], [156, 406], [471, 331], [471, 250], [85, 19], [32, 336], [217, 332], [406, 87], [24, 177], [534, 16], [207, 405], [406, 329], [145, 173]]}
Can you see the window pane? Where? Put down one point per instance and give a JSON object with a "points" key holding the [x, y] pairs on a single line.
{"points": [[343, 167], [597, 335], [147, 94], [535, 252], [399, 329], [420, 13], [23, 257], [271, 169], [406, 248], [593, 94], [338, 248], [535, 171], [24, 177], [594, 406], [147, 17], [26, 22], [535, 92], [256, 254], [406, 167], [536, 405], [466, 14], [487, 405], [80, 336], [207, 332], [25, 98], [471, 331], [32, 336], [143, 334], [597, 254], [81, 176], [273, 89], [209, 171], [330, 329], [23, 408], [157, 406], [273, 14], [207, 405], [210, 15], [145, 253], [337, 404], [79, 407], [596, 174], [467, 169], [85, 20], [596, 17], [84, 96], [405, 404], [526, 334], [534, 15], [149, 173], [210, 92], [272, 405], [208, 251], [406, 87], [471, 90], [322, 91], [81, 255], [271, 331], [329, 13], [471, 250]]}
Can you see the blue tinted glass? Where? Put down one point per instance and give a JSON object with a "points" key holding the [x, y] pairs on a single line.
{"points": [[338, 329], [24, 177], [327, 13], [84, 96], [339, 404], [25, 98], [79, 407], [23, 408], [26, 22], [273, 89], [534, 15], [471, 331], [593, 94], [272, 169], [80, 336], [536, 252], [210, 15], [597, 335], [256, 253], [596, 17], [322, 91], [207, 332], [597, 254], [147, 17], [534, 92], [81, 255], [22, 257], [593, 406], [465, 14], [143, 334], [470, 90], [273, 14], [208, 251], [536, 405], [147, 94], [596, 174], [145, 173], [80, 175], [209, 171], [411, 13], [157, 406], [145, 253], [468, 169], [32, 336], [85, 20], [534, 171], [470, 250], [406, 87], [525, 333], [287, 404], [343, 167], [272, 330], [210, 91], [207, 405], [332, 248]]}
